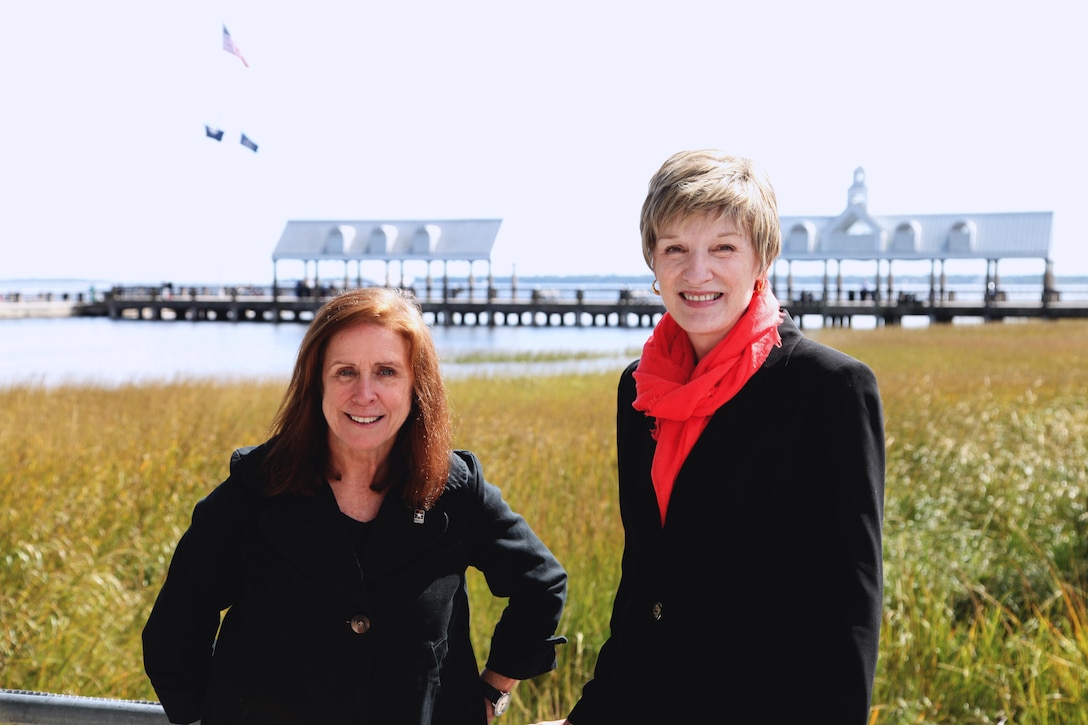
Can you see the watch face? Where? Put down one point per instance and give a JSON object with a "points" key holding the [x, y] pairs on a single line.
{"points": [[502, 703]]}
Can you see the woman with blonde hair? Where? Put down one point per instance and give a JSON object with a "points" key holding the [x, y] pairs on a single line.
{"points": [[751, 483]]}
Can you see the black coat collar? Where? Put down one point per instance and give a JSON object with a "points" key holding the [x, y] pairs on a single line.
{"points": [[306, 530]]}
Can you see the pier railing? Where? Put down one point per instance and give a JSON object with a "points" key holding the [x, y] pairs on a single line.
{"points": [[560, 305], [571, 306], [489, 306], [23, 707]]}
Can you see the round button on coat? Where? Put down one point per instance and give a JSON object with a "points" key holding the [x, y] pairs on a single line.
{"points": [[360, 624]]}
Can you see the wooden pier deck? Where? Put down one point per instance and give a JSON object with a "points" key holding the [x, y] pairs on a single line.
{"points": [[533, 310], [569, 308]]}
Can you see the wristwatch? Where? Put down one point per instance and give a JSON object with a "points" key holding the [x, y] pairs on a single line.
{"points": [[499, 700]]}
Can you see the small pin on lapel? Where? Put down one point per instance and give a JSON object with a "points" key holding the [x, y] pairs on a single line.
{"points": [[417, 517]]}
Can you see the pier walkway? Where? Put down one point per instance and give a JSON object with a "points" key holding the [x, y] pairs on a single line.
{"points": [[536, 308], [552, 308], [568, 307]]}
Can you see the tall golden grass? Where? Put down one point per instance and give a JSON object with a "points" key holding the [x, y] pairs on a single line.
{"points": [[986, 528]]}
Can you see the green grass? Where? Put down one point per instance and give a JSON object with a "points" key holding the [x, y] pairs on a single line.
{"points": [[986, 528]]}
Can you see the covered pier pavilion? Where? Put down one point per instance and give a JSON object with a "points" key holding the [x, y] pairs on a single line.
{"points": [[883, 240], [346, 253]]}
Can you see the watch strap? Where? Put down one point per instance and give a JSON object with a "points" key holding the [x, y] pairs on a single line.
{"points": [[499, 700]]}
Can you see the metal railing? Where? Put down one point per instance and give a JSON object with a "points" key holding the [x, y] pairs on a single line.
{"points": [[23, 707]]}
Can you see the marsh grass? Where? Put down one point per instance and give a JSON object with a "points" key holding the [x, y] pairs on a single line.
{"points": [[538, 356], [986, 532]]}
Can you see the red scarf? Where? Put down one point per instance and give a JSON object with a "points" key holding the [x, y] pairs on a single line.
{"points": [[681, 396]]}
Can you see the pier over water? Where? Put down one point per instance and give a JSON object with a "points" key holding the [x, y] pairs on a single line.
{"points": [[576, 306], [489, 307]]}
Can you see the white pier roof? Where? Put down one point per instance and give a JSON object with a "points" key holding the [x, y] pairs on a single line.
{"points": [[858, 235]]}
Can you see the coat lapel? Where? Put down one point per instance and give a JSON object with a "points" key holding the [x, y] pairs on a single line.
{"points": [[720, 454], [400, 537], [305, 531]]}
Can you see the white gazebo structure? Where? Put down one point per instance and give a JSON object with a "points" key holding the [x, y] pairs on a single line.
{"points": [[855, 234], [354, 243]]}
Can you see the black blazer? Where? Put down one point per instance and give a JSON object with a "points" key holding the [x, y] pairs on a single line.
{"points": [[759, 601], [287, 570]]}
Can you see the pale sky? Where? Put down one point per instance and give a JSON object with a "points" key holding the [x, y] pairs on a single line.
{"points": [[551, 116]]}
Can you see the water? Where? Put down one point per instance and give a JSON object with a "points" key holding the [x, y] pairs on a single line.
{"points": [[53, 351], [98, 350]]}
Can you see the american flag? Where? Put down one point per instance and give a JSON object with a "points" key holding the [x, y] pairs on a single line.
{"points": [[230, 47]]}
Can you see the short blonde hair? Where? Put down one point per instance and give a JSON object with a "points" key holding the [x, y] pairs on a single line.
{"points": [[691, 183]]}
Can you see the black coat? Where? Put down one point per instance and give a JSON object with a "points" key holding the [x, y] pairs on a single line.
{"points": [[287, 570], [759, 601]]}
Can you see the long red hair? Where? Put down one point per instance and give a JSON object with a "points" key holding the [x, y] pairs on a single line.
{"points": [[298, 457]]}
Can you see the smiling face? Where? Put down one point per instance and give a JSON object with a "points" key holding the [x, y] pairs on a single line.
{"points": [[706, 268], [367, 391]]}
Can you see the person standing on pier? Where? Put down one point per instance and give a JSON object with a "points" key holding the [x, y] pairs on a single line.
{"points": [[339, 548], [751, 484]]}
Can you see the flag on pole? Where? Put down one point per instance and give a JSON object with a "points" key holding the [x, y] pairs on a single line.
{"points": [[230, 47], [248, 143]]}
